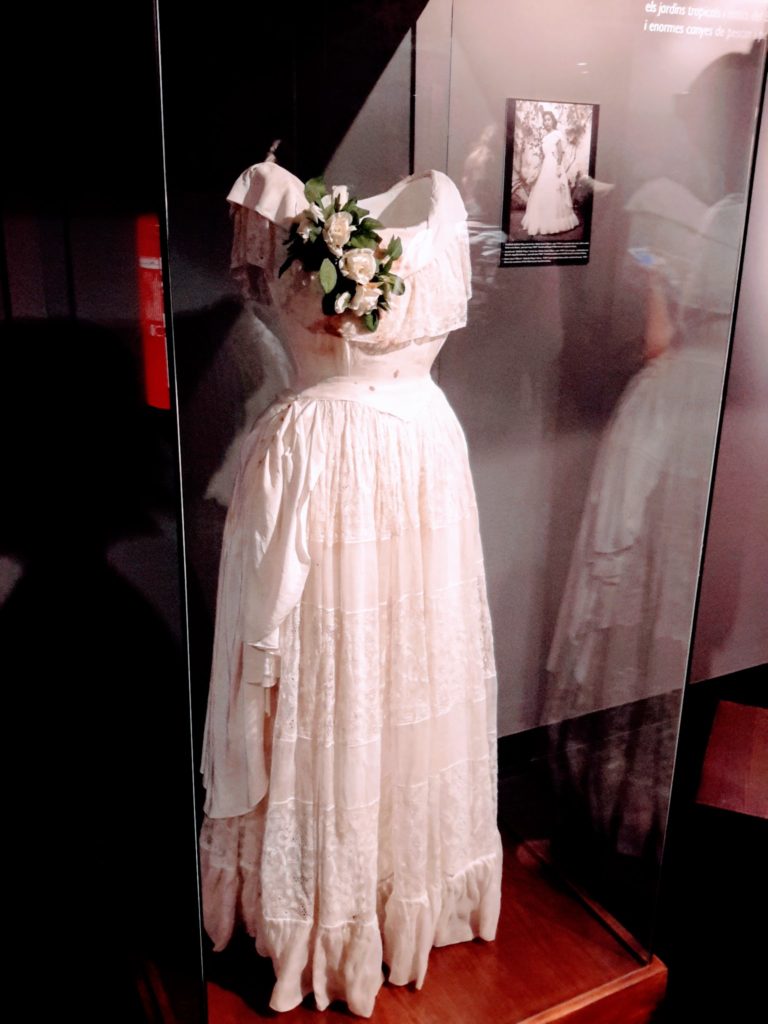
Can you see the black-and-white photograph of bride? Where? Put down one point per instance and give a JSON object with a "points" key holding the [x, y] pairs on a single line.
{"points": [[548, 182]]}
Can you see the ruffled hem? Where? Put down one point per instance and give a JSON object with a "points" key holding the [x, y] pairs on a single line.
{"points": [[552, 227], [344, 961], [462, 907], [341, 962]]}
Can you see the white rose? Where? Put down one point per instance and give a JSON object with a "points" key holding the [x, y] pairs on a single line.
{"points": [[366, 297], [359, 265], [340, 192], [316, 213], [305, 226], [337, 231], [342, 301]]}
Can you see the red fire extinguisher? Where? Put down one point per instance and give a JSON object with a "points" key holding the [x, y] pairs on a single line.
{"points": [[152, 312]]}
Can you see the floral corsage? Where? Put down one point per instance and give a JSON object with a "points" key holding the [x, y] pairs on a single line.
{"points": [[335, 239]]}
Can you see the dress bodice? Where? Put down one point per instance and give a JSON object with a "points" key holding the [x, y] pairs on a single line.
{"points": [[425, 211], [550, 141]]}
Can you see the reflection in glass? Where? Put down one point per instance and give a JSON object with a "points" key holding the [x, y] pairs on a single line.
{"points": [[625, 616], [595, 433]]}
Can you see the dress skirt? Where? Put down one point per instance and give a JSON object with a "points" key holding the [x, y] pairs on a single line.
{"points": [[377, 836]]}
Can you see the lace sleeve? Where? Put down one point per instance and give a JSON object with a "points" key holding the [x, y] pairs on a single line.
{"points": [[263, 201], [256, 250]]}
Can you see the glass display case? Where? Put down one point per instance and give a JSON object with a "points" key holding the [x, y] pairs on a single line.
{"points": [[603, 154]]}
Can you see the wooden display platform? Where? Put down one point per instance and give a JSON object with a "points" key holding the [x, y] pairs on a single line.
{"points": [[554, 960]]}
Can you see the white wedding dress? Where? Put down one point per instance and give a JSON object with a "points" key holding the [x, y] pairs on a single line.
{"points": [[550, 210], [350, 745]]}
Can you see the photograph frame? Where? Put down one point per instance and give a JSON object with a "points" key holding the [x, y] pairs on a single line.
{"points": [[549, 171]]}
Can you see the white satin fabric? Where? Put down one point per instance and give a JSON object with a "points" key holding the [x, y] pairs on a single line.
{"points": [[350, 746]]}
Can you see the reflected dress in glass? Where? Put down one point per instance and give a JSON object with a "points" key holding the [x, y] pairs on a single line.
{"points": [[350, 747], [624, 622]]}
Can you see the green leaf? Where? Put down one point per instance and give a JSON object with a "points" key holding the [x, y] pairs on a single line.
{"points": [[328, 275], [358, 212], [315, 189], [368, 224], [386, 266], [358, 241], [371, 320], [395, 249], [398, 286]]}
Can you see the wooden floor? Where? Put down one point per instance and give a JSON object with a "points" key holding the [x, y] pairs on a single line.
{"points": [[735, 773], [549, 950]]}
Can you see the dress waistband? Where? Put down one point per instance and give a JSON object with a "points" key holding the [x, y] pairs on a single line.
{"points": [[402, 398]]}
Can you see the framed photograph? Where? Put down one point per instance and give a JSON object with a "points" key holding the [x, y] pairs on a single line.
{"points": [[548, 178]]}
